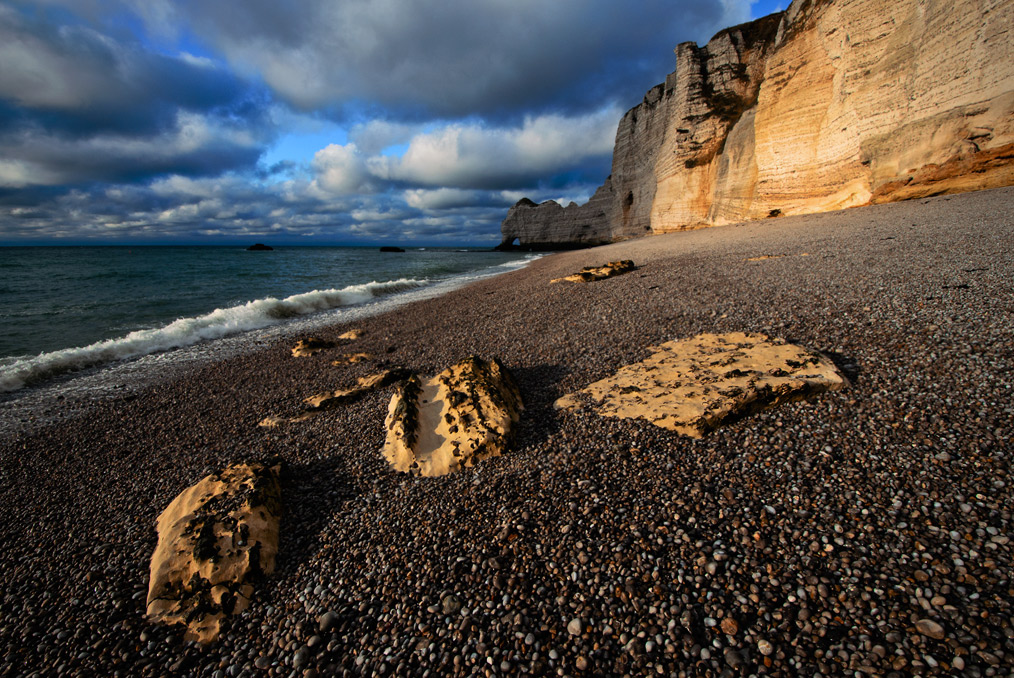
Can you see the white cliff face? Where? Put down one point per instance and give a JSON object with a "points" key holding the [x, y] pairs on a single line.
{"points": [[822, 107]]}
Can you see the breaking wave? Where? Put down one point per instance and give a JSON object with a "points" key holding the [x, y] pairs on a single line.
{"points": [[187, 331], [521, 263]]}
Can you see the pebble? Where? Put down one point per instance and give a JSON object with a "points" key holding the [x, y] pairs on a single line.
{"points": [[301, 657], [730, 626], [450, 604], [327, 621], [733, 659], [930, 628], [575, 627]]}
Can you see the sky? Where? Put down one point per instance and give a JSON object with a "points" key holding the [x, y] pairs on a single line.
{"points": [[318, 122]]}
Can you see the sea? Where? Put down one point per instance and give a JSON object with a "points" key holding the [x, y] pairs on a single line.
{"points": [[120, 313]]}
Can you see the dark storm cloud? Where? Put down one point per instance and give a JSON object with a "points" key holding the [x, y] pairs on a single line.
{"points": [[77, 106], [76, 80], [457, 57]]}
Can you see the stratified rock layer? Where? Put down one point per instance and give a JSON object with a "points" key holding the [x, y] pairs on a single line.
{"points": [[693, 385], [590, 273], [453, 420], [215, 541], [824, 106]]}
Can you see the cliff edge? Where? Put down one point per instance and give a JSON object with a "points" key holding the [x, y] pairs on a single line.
{"points": [[824, 106]]}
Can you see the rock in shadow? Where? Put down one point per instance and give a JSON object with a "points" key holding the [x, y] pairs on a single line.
{"points": [[311, 493], [846, 365], [539, 386]]}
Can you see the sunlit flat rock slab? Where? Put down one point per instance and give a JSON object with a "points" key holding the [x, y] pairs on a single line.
{"points": [[692, 385]]}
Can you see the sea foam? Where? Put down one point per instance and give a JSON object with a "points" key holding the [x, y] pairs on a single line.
{"points": [[187, 331]]}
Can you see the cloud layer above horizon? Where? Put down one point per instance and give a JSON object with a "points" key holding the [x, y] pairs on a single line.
{"points": [[359, 121]]}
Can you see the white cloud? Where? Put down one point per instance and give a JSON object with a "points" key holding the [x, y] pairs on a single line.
{"points": [[41, 159], [340, 170], [376, 135], [439, 198], [19, 174], [379, 214], [471, 155], [455, 57]]}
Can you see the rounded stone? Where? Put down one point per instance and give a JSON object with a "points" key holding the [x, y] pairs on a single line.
{"points": [[327, 621], [575, 627], [930, 629], [733, 659], [450, 604], [301, 657]]}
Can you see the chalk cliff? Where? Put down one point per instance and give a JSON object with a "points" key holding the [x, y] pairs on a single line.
{"points": [[827, 105]]}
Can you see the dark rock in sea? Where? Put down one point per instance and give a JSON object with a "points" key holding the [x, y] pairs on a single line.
{"points": [[259, 247], [390, 248]]}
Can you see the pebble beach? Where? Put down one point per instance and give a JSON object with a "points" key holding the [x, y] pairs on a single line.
{"points": [[862, 532]]}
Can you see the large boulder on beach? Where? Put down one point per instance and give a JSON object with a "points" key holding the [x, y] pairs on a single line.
{"points": [[216, 540], [461, 416], [691, 386], [312, 345]]}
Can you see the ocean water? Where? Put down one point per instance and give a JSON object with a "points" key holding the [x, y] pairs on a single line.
{"points": [[66, 309]]}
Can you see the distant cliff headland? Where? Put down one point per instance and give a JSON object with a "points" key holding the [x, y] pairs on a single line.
{"points": [[827, 105]]}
